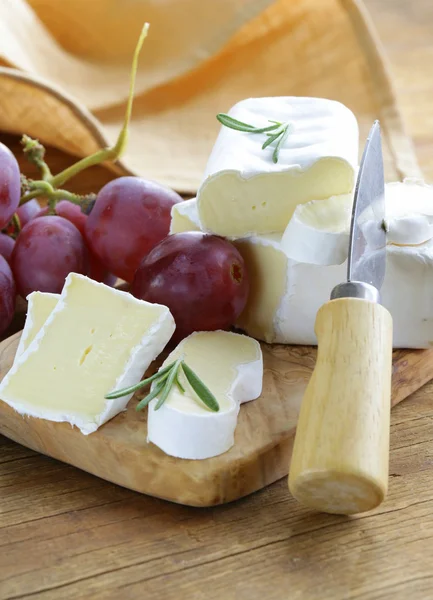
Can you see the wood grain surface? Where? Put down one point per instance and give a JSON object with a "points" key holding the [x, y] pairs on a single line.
{"points": [[66, 535], [119, 452]]}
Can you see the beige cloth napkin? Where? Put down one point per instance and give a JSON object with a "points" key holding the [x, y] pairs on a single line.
{"points": [[66, 67]]}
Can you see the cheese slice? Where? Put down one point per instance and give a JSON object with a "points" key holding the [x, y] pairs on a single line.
{"points": [[97, 339], [231, 366], [292, 275], [184, 217], [244, 193], [40, 306], [318, 232]]}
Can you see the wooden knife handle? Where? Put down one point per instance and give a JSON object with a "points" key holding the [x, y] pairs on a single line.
{"points": [[341, 451]]}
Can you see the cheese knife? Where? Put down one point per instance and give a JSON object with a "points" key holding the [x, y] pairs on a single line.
{"points": [[341, 451]]}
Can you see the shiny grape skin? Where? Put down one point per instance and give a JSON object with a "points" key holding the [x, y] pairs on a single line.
{"points": [[6, 246], [28, 211], [10, 185], [46, 251], [96, 270], [201, 278], [7, 295], [72, 212], [130, 216]]}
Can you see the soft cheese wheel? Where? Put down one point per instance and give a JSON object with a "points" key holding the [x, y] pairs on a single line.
{"points": [[293, 275], [245, 193], [231, 366], [40, 306], [97, 339]]}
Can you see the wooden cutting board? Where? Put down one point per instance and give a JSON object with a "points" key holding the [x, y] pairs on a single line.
{"points": [[119, 452]]}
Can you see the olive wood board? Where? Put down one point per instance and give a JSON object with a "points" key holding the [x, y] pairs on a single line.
{"points": [[120, 453]]}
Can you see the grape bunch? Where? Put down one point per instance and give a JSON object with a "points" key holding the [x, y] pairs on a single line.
{"points": [[42, 245], [119, 233], [200, 277]]}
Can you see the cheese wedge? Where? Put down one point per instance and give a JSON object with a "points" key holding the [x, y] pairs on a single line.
{"points": [[292, 275], [96, 339], [245, 193], [231, 366], [40, 306]]}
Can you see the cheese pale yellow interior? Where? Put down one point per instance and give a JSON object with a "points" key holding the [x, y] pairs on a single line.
{"points": [[235, 207], [82, 353], [40, 306], [214, 357]]}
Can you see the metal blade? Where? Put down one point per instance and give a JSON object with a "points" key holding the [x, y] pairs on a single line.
{"points": [[367, 245]]}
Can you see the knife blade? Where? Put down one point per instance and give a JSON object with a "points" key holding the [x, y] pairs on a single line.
{"points": [[341, 450]]}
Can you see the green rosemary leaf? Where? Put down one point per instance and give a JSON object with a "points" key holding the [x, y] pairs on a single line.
{"points": [[168, 384], [139, 385], [178, 383], [202, 391], [272, 138], [277, 131], [280, 142], [232, 123], [228, 121], [152, 394]]}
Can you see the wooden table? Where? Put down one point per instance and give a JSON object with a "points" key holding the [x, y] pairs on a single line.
{"points": [[67, 535]]}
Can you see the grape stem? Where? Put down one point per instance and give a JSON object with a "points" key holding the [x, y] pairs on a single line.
{"points": [[17, 225], [111, 154], [46, 189], [35, 153]]}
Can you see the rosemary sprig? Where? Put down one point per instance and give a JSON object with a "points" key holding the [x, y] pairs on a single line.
{"points": [[202, 391], [159, 386], [168, 385], [178, 383], [163, 381], [140, 384], [277, 132]]}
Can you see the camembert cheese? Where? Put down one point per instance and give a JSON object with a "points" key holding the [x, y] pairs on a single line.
{"points": [[231, 366], [97, 339], [40, 306], [245, 193], [292, 274]]}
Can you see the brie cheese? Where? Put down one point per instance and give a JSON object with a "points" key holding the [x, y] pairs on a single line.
{"points": [[231, 366], [244, 193], [184, 217], [292, 275], [97, 339], [40, 306]]}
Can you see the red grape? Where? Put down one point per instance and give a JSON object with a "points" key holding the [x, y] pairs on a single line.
{"points": [[98, 272], [28, 211], [7, 295], [6, 246], [10, 185], [72, 212], [46, 251], [130, 216], [201, 278]]}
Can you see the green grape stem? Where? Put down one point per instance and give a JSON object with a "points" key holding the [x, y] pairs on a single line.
{"points": [[35, 151]]}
